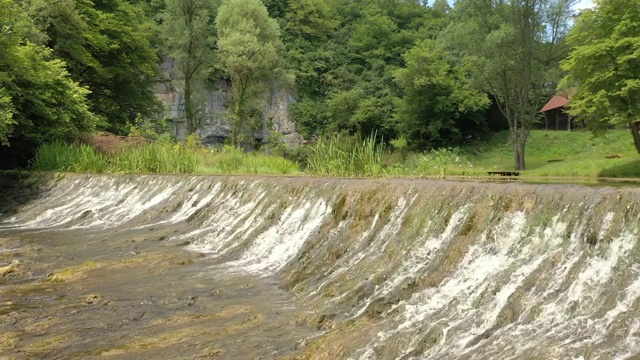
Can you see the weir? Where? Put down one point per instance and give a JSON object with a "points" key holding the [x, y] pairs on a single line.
{"points": [[332, 268]]}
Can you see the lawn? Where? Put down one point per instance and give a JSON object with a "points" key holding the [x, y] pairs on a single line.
{"points": [[561, 154]]}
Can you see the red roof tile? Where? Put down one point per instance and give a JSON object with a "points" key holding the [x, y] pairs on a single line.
{"points": [[556, 102]]}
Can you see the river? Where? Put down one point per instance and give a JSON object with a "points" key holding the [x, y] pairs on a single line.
{"points": [[186, 267]]}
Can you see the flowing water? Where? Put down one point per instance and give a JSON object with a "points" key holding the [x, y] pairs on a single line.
{"points": [[311, 268]]}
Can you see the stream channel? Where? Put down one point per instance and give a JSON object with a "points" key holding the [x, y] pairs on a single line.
{"points": [[207, 267]]}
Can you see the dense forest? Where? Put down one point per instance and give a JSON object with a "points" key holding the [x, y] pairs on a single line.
{"points": [[421, 75]]}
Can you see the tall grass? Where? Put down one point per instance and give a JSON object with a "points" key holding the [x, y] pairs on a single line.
{"points": [[150, 158], [342, 156], [230, 160], [158, 158], [60, 156]]}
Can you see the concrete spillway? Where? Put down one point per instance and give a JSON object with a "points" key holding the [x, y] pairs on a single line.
{"points": [[335, 269]]}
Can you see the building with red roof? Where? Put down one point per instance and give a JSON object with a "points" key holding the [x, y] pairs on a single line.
{"points": [[556, 116]]}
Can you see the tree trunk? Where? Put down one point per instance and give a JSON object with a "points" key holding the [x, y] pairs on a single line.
{"points": [[187, 106], [516, 148], [237, 113], [521, 164], [634, 126], [519, 135]]}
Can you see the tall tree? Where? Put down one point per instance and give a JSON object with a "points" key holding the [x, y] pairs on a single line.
{"points": [[604, 64], [249, 52], [513, 50], [106, 47], [190, 34], [438, 97], [38, 100]]}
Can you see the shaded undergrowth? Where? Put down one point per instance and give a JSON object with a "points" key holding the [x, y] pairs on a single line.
{"points": [[18, 188]]}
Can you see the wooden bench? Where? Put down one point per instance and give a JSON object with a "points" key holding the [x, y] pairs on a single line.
{"points": [[504, 173]]}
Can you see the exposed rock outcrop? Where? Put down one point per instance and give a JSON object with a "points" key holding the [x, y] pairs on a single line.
{"points": [[216, 100]]}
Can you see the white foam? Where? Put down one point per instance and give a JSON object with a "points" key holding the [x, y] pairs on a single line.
{"points": [[274, 248]]}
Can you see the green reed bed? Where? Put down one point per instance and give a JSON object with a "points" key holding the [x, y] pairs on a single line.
{"points": [[150, 158], [159, 158], [156, 158], [343, 156], [60, 156]]}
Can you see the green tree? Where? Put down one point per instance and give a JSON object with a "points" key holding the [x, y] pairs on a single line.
{"points": [[190, 34], [438, 97], [344, 55], [514, 50], [248, 50], [6, 116], [38, 100], [106, 46], [604, 64]]}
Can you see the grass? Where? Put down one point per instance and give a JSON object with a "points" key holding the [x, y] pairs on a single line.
{"points": [[343, 156], [163, 158], [230, 160], [60, 156], [560, 154], [549, 154]]}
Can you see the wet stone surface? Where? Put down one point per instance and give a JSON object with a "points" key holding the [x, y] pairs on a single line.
{"points": [[134, 295]]}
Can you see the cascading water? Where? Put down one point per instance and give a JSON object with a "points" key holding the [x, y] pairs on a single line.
{"points": [[395, 269]]}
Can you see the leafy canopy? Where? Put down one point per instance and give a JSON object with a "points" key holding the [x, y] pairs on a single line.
{"points": [[38, 99], [248, 51], [604, 64]]}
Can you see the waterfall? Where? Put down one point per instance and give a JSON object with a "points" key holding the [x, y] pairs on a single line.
{"points": [[399, 269]]}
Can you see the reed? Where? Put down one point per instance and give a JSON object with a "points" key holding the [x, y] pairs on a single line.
{"points": [[163, 158], [341, 156], [60, 156], [150, 158], [230, 160]]}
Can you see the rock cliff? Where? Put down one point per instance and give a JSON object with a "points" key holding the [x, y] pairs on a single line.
{"points": [[216, 101]]}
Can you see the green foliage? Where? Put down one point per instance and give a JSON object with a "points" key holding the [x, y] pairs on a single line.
{"points": [[190, 36], [344, 73], [604, 65], [248, 52], [341, 156], [438, 98], [158, 157], [438, 161], [559, 154], [312, 20], [38, 100], [61, 156], [232, 160], [402, 69], [435, 163], [402, 145], [6, 116], [106, 45], [155, 158], [513, 47], [151, 158], [310, 117], [151, 128]]}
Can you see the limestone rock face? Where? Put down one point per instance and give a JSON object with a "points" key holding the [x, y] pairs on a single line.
{"points": [[216, 100]]}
